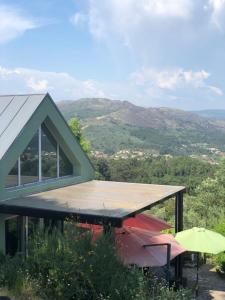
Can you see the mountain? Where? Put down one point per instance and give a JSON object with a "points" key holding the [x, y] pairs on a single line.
{"points": [[114, 125], [217, 114]]}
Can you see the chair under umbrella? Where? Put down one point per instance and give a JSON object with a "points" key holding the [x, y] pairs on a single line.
{"points": [[201, 240]]}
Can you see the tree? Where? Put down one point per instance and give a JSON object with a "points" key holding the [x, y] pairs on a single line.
{"points": [[77, 130], [207, 207]]}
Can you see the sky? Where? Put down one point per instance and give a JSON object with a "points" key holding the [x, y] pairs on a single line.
{"points": [[153, 53]]}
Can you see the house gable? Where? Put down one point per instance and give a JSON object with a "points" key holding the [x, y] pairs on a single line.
{"points": [[45, 112]]}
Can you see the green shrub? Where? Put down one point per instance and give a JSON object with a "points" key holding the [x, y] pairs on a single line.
{"points": [[220, 258], [70, 267]]}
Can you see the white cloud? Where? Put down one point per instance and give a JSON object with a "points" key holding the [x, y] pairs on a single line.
{"points": [[218, 12], [216, 90], [38, 85], [170, 79], [13, 23], [116, 16], [78, 18], [148, 87], [60, 85], [169, 8], [176, 88]]}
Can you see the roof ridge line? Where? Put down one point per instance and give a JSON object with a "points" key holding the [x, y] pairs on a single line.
{"points": [[25, 94]]}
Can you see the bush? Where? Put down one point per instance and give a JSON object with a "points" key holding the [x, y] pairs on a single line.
{"points": [[220, 258], [70, 267]]}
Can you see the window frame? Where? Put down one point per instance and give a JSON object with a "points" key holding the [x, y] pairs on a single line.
{"points": [[40, 177]]}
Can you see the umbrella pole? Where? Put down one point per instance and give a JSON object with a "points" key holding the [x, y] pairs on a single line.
{"points": [[197, 274]]}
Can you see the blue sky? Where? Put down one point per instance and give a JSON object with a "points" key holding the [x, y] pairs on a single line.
{"points": [[150, 52]]}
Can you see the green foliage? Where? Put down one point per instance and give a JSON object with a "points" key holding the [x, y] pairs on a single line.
{"points": [[205, 184], [69, 266], [77, 130], [117, 125], [220, 258], [207, 207], [112, 136], [220, 261], [160, 170], [220, 228]]}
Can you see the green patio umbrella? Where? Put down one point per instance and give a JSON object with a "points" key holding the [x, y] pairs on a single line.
{"points": [[201, 240]]}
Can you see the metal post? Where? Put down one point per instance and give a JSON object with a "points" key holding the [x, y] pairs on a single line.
{"points": [[168, 256], [178, 227], [62, 226], [106, 228], [197, 267], [26, 235]]}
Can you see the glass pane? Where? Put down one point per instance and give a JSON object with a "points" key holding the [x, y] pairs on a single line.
{"points": [[29, 162], [65, 166], [12, 178], [48, 154]]}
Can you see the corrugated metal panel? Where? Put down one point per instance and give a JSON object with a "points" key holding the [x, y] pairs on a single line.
{"points": [[4, 102], [15, 113], [10, 112]]}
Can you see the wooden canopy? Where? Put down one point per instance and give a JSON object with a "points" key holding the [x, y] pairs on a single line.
{"points": [[93, 201]]}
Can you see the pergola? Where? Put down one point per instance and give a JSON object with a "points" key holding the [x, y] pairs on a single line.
{"points": [[99, 202]]}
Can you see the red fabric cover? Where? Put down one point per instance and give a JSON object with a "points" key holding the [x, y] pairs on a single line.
{"points": [[142, 221], [146, 222], [130, 241]]}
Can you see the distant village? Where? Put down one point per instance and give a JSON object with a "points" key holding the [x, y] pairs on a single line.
{"points": [[212, 155]]}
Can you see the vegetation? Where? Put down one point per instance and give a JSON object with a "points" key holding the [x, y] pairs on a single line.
{"points": [[204, 203], [111, 137], [69, 266], [220, 258], [112, 126], [206, 207], [159, 170], [76, 128]]}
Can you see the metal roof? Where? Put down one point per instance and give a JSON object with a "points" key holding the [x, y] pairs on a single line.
{"points": [[92, 201], [15, 112]]}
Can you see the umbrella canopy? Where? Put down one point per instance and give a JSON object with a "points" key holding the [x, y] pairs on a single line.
{"points": [[130, 247], [147, 222], [130, 241], [142, 221], [201, 240]]}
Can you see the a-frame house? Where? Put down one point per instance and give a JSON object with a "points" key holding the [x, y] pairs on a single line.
{"points": [[38, 152], [45, 177]]}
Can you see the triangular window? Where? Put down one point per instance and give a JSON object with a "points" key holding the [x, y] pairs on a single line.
{"points": [[43, 159]]}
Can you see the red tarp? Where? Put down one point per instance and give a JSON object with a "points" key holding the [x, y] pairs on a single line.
{"points": [[139, 221], [147, 222], [137, 232], [130, 242]]}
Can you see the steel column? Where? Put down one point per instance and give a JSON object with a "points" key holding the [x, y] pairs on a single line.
{"points": [[178, 227]]}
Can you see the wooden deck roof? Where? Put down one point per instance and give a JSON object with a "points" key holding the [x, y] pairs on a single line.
{"points": [[93, 201]]}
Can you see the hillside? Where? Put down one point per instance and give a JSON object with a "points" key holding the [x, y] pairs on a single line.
{"points": [[217, 114], [114, 125]]}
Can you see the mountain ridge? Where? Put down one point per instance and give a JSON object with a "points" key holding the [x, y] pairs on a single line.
{"points": [[114, 125]]}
